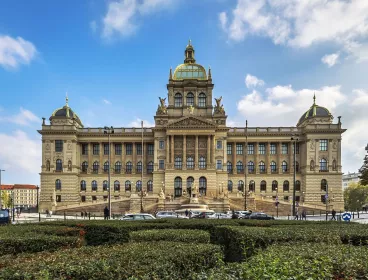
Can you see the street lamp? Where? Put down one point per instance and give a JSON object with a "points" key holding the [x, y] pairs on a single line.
{"points": [[326, 200], [108, 131], [163, 188], [1, 170], [38, 189], [277, 203], [295, 139]]}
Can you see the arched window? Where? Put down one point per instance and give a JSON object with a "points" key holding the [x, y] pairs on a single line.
{"points": [[59, 165], [202, 100], [323, 165], [274, 185], [117, 186], [190, 181], [178, 163], [128, 186], [284, 167], [178, 186], [202, 162], [138, 186], [230, 186], [150, 167], [84, 166], [118, 167], [324, 185], [273, 167], [251, 167], [190, 163], [94, 185], [239, 167], [149, 186], [297, 186], [312, 165], [334, 165], [95, 167], [252, 186], [262, 167], [240, 186], [178, 100], [128, 167], [286, 186], [263, 186], [229, 167], [296, 166], [105, 186], [106, 167], [139, 167], [83, 186], [58, 185], [203, 186], [190, 99]]}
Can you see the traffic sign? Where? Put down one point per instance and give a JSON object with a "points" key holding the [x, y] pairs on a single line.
{"points": [[346, 217]]}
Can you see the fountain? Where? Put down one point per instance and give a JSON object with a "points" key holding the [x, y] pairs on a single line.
{"points": [[193, 205]]}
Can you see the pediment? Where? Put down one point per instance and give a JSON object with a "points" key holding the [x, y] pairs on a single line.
{"points": [[191, 122]]}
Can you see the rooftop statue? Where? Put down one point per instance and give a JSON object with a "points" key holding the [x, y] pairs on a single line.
{"points": [[162, 109], [219, 108]]}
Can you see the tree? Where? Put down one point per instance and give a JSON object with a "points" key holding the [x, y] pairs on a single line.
{"points": [[6, 199], [364, 170], [355, 196]]}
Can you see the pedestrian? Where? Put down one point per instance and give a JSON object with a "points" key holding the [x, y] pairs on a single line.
{"points": [[186, 213], [85, 214], [82, 214], [333, 215], [296, 215], [47, 212], [190, 214], [106, 213], [304, 215]]}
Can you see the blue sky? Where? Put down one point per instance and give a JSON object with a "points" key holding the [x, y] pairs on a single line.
{"points": [[113, 58]]}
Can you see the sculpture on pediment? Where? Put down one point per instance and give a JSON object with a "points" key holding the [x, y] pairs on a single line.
{"points": [[191, 109], [162, 109], [219, 108]]}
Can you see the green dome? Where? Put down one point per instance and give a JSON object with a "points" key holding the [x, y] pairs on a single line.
{"points": [[190, 71], [314, 111], [65, 112]]}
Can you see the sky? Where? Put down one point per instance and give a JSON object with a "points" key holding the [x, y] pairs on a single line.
{"points": [[268, 58]]}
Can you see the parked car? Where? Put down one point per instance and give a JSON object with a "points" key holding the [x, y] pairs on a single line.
{"points": [[219, 216], [169, 215], [260, 216], [4, 217], [137, 217], [202, 215]]}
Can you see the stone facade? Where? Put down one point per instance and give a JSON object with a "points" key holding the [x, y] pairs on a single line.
{"points": [[191, 143]]}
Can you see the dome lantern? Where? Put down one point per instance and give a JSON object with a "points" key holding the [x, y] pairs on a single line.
{"points": [[316, 114]]}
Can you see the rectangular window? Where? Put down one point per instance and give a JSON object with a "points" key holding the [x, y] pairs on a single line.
{"points": [[219, 145], [161, 164], [84, 149], [129, 149], [118, 149], [58, 198], [250, 149], [297, 148], [284, 148], [150, 149], [229, 149], [83, 198], [59, 145], [106, 149], [139, 149], [286, 198], [94, 198], [323, 144], [262, 149], [219, 164], [96, 149], [239, 149], [273, 149], [161, 144]]}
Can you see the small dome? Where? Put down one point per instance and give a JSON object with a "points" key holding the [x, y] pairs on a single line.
{"points": [[315, 111], [190, 71], [65, 112]]}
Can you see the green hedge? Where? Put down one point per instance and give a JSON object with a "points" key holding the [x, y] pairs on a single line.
{"points": [[159, 260], [176, 235]]}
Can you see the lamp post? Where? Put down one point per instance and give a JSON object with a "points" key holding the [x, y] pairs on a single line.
{"points": [[245, 165], [1, 170], [142, 170], [163, 187], [326, 200], [294, 139], [277, 203], [38, 189], [109, 131]]}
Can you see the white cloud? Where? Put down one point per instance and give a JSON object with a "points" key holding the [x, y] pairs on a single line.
{"points": [[24, 117], [253, 81], [330, 59], [121, 17], [14, 52], [283, 106], [107, 102], [137, 123], [302, 23], [20, 157]]}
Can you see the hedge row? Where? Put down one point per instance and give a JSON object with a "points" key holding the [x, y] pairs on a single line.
{"points": [[176, 235], [159, 260]]}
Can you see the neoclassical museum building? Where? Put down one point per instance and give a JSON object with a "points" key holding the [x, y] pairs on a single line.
{"points": [[191, 144]]}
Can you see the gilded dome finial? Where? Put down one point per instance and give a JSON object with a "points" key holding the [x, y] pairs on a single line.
{"points": [[66, 99], [314, 99], [190, 42]]}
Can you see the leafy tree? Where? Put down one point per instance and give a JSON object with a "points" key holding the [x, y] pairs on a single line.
{"points": [[355, 196], [364, 171], [6, 199]]}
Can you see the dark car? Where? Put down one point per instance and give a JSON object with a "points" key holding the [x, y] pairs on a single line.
{"points": [[260, 216], [4, 217]]}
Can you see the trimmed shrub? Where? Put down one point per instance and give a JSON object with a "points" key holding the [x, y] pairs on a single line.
{"points": [[175, 235], [160, 260]]}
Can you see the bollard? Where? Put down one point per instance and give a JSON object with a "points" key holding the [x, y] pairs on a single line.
{"points": [[39, 217], [89, 215], [64, 216]]}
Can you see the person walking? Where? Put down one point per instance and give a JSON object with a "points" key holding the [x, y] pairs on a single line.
{"points": [[85, 214], [82, 214], [304, 215], [333, 215], [106, 213], [296, 215], [186, 213]]}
